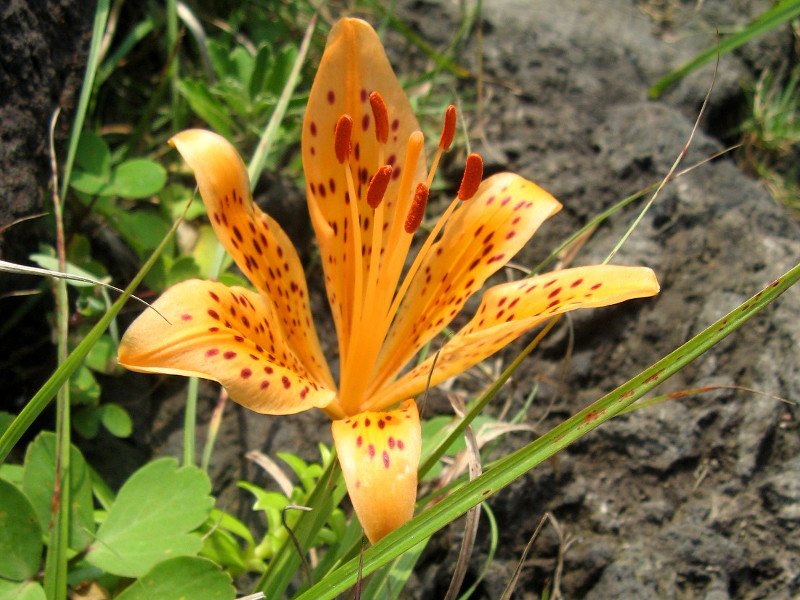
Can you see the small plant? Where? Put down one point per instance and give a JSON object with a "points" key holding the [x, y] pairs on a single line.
{"points": [[771, 135]]}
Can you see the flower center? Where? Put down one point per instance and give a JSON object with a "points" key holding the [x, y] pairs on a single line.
{"points": [[376, 293]]}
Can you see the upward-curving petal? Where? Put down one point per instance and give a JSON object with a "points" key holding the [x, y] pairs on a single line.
{"points": [[230, 335], [353, 65], [255, 241], [483, 235], [509, 310]]}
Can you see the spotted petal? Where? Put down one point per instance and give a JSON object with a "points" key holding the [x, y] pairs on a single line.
{"points": [[353, 65], [379, 453], [255, 241], [230, 335], [483, 235], [509, 310]]}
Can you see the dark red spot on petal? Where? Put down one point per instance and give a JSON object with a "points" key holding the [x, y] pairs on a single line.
{"points": [[246, 373], [229, 355], [385, 459], [286, 382], [212, 352]]}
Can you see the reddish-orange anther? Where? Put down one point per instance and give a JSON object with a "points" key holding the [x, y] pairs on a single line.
{"points": [[417, 210], [377, 186], [449, 129], [381, 114], [341, 137], [473, 173]]}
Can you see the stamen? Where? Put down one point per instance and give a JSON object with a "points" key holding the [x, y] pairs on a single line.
{"points": [[381, 114], [449, 129], [378, 184], [473, 173], [417, 210], [341, 136]]}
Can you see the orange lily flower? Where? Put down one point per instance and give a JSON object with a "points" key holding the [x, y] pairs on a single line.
{"points": [[367, 184]]}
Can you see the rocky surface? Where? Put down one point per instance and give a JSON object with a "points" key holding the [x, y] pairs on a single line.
{"points": [[692, 498]]}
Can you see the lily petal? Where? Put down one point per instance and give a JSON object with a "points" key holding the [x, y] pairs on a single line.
{"points": [[354, 65], [484, 234], [379, 453], [510, 309], [229, 335], [255, 241]]}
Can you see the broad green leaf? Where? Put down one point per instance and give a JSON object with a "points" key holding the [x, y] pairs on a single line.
{"points": [[23, 590], [103, 357], [20, 535], [37, 482], [92, 184], [93, 154], [84, 387], [11, 473], [86, 421], [138, 178], [116, 419], [182, 578], [143, 230], [151, 519]]}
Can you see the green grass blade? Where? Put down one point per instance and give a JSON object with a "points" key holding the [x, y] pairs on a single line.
{"points": [[775, 16], [504, 471], [92, 64], [60, 376]]}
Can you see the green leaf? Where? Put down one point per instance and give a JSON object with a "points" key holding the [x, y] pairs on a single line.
{"points": [[86, 421], [261, 68], [25, 590], [151, 519], [143, 230], [206, 106], [116, 419], [37, 482], [84, 387], [93, 154], [89, 183], [103, 356], [138, 178], [183, 268], [20, 535], [180, 578]]}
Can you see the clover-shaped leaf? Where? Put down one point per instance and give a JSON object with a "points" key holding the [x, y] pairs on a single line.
{"points": [[37, 480], [20, 534], [151, 519], [180, 578]]}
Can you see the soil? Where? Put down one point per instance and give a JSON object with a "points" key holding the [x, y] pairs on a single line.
{"points": [[690, 498]]}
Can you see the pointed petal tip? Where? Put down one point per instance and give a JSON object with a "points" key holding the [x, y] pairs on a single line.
{"points": [[379, 453]]}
